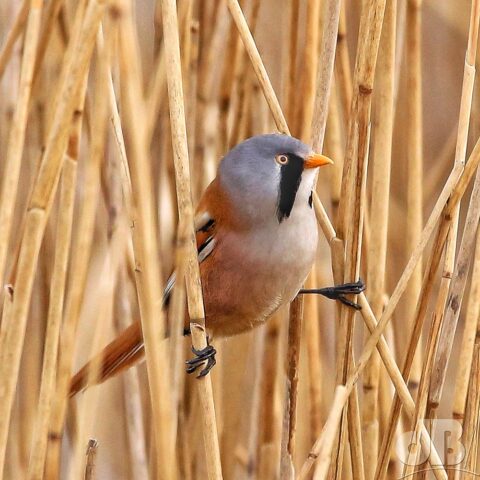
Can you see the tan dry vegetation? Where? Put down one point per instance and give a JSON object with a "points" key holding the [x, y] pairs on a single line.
{"points": [[113, 117]]}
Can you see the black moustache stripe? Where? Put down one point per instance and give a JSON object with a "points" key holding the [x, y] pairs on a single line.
{"points": [[290, 177]]}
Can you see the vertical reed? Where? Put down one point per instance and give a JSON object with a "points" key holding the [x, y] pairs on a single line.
{"points": [[382, 153], [184, 196], [414, 155]]}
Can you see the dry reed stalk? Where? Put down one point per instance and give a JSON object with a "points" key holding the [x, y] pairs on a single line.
{"points": [[352, 204], [206, 151], [6, 311], [322, 449], [192, 73], [51, 14], [291, 80], [456, 292], [38, 210], [147, 271], [324, 76], [116, 247], [253, 441], [387, 390], [423, 410], [16, 30], [309, 72], [126, 181], [206, 113], [258, 66], [272, 377], [132, 400], [451, 318], [80, 254], [17, 131], [157, 89], [284, 55], [205, 28], [57, 291], [156, 92], [320, 105], [441, 168], [227, 83], [317, 116], [314, 354], [184, 196], [287, 469], [186, 43], [334, 149], [27, 391], [342, 67], [105, 292], [424, 384], [244, 90], [338, 269], [242, 85], [414, 337], [210, 53], [185, 450], [468, 340], [414, 151], [176, 313], [377, 256], [67, 47]]}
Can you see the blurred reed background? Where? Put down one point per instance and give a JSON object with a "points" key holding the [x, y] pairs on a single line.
{"points": [[89, 233]]}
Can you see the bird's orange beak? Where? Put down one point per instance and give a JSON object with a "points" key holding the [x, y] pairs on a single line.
{"points": [[316, 160]]}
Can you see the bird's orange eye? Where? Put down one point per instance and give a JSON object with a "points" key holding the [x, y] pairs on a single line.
{"points": [[281, 159]]}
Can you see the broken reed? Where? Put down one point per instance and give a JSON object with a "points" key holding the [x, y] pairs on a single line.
{"points": [[127, 177]]}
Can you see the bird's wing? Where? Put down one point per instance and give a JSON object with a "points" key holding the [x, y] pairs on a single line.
{"points": [[205, 228], [127, 348]]}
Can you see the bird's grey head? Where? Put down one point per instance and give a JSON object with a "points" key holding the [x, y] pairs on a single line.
{"points": [[267, 175]]}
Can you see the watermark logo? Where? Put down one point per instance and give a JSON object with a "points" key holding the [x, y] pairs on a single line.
{"points": [[414, 450]]}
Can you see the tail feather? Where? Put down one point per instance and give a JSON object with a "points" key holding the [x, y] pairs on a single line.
{"points": [[123, 352]]}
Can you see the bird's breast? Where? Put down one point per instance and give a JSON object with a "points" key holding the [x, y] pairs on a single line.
{"points": [[254, 272]]}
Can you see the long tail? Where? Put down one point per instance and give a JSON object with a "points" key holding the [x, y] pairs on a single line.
{"points": [[123, 352]]}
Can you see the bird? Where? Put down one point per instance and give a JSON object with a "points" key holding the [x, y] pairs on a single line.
{"points": [[256, 235]]}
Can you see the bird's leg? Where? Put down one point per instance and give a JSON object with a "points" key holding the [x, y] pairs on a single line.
{"points": [[338, 292], [207, 355]]}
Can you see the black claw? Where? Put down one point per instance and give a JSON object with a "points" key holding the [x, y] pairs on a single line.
{"points": [[354, 288], [211, 362], [338, 292], [207, 355], [349, 303]]}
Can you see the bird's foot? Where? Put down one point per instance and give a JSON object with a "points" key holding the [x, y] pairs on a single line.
{"points": [[338, 292], [205, 355]]}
